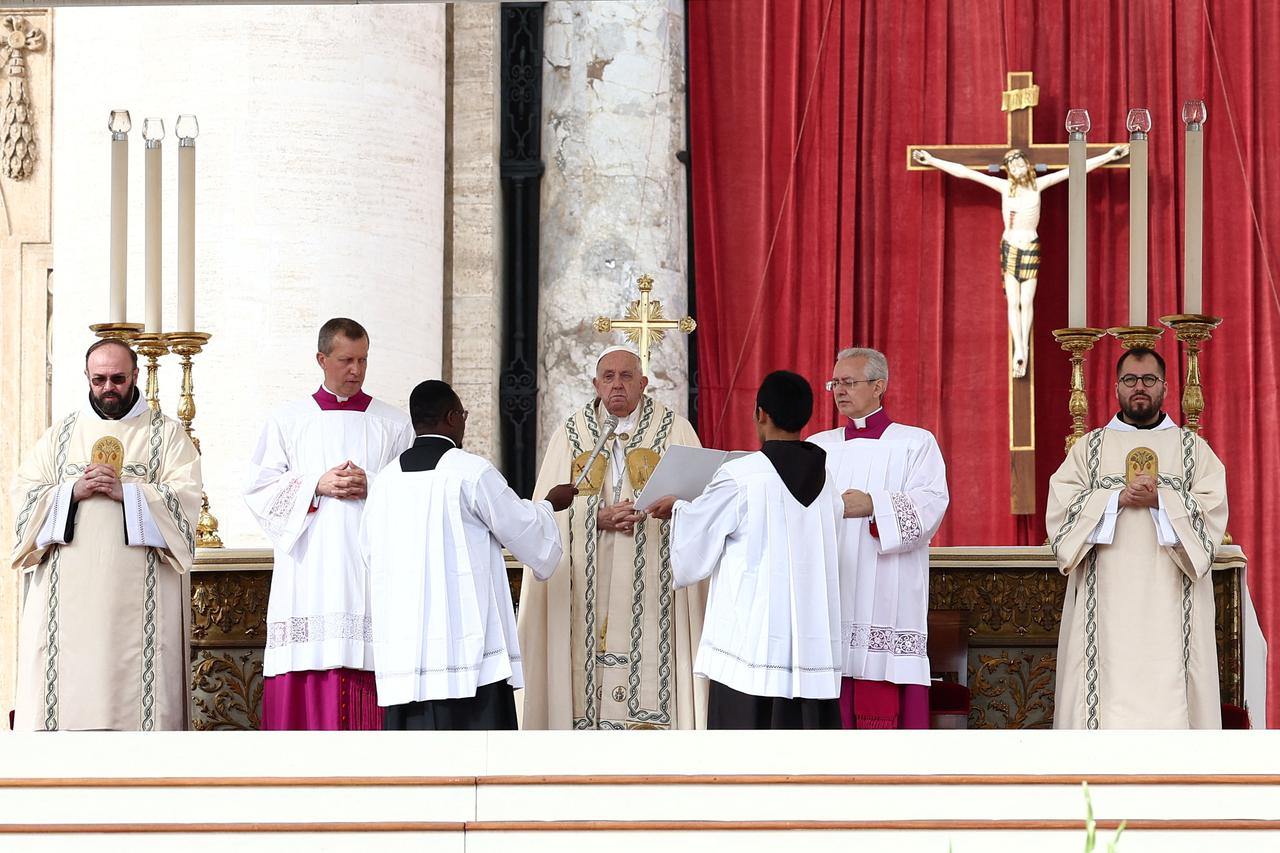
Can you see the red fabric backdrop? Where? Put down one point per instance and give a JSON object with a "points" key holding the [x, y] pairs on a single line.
{"points": [[810, 233]]}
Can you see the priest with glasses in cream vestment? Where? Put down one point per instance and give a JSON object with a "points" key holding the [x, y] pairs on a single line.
{"points": [[1135, 516]]}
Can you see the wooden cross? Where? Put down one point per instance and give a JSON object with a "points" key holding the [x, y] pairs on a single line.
{"points": [[1019, 101], [644, 324]]}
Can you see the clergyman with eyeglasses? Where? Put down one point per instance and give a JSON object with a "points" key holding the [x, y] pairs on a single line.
{"points": [[894, 484], [107, 503], [1135, 515]]}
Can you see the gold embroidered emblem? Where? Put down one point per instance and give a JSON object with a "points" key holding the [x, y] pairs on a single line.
{"points": [[1141, 460], [595, 477], [640, 465], [108, 451]]}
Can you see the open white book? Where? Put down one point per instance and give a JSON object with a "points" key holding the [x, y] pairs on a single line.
{"points": [[684, 472]]}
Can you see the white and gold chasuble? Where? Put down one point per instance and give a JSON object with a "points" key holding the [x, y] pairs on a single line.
{"points": [[102, 643], [607, 642], [1137, 647]]}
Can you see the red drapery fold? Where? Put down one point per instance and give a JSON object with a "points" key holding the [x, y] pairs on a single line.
{"points": [[810, 234]]}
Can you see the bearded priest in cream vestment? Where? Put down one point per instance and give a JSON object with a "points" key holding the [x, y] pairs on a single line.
{"points": [[1135, 515], [107, 503], [607, 642]]}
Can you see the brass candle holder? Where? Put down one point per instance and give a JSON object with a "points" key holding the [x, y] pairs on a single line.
{"points": [[1077, 341], [151, 345], [186, 345], [1193, 330], [1135, 337], [117, 331]]}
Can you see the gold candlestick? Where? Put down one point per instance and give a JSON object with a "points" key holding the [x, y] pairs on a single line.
{"points": [[152, 346], [1133, 337], [1193, 330], [117, 331], [1077, 341], [187, 344]]}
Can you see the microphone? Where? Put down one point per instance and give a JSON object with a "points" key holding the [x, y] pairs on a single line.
{"points": [[610, 424]]}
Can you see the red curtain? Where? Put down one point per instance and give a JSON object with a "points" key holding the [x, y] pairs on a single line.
{"points": [[810, 234]]}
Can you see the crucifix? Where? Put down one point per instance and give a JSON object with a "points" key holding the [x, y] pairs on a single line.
{"points": [[1030, 168], [644, 324]]}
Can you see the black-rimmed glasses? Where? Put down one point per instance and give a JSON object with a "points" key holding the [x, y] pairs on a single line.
{"points": [[1149, 380]]}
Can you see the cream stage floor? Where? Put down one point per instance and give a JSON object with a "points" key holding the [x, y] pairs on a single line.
{"points": [[963, 791]]}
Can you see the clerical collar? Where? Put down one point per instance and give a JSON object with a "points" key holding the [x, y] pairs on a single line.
{"points": [[134, 403], [1120, 425], [420, 437], [331, 402], [872, 426]]}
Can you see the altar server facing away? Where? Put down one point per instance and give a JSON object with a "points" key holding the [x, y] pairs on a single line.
{"points": [[435, 523], [310, 478], [894, 485], [766, 532]]}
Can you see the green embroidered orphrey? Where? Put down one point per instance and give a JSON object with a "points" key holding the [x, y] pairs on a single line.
{"points": [[1136, 645]]}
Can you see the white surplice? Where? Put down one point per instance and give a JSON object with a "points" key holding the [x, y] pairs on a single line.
{"points": [[443, 621], [1137, 645], [102, 643], [772, 626], [884, 579], [317, 615]]}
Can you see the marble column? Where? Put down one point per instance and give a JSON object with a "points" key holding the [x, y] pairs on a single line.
{"points": [[473, 236], [320, 193], [613, 197], [26, 263]]}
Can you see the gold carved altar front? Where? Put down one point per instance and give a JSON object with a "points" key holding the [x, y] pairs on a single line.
{"points": [[1013, 597]]}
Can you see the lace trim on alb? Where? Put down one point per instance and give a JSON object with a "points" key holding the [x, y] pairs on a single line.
{"points": [[317, 629], [875, 638], [908, 519]]}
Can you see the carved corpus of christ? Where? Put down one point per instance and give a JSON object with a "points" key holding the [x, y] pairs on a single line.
{"points": [[1020, 240]]}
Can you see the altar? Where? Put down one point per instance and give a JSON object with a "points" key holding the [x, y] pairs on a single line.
{"points": [[1010, 598]]}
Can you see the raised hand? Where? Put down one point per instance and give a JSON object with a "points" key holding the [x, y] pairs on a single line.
{"points": [[561, 496]]}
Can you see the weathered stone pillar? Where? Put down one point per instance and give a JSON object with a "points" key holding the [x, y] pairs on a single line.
{"points": [[473, 244], [613, 197]]}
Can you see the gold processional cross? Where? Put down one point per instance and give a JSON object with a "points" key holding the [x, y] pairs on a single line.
{"points": [[1019, 102], [644, 324]]}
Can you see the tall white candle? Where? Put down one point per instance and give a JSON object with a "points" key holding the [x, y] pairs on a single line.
{"points": [[153, 132], [1139, 123], [1077, 299], [1194, 114], [117, 300], [187, 130]]}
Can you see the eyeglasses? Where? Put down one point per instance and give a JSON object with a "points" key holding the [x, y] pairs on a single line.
{"points": [[1149, 380], [464, 413], [846, 384]]}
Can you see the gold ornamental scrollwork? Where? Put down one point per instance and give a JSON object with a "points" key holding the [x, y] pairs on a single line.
{"points": [[17, 133], [1012, 605], [227, 691], [1012, 691], [229, 608]]}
